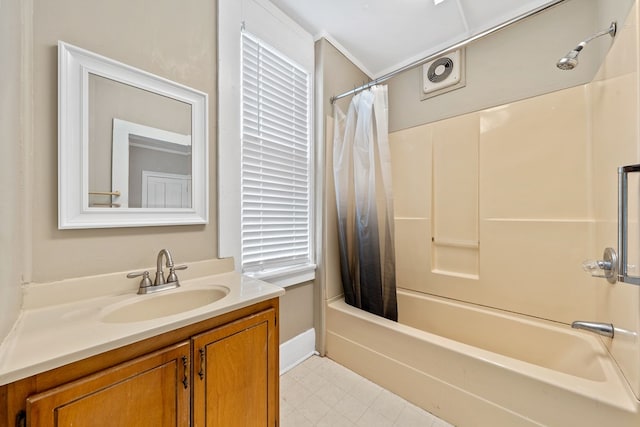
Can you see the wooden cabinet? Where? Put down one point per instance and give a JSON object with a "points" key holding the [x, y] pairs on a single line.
{"points": [[149, 391], [233, 385], [219, 372]]}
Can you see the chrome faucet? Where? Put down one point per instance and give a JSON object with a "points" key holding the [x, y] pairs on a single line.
{"points": [[159, 280], [159, 283], [604, 329]]}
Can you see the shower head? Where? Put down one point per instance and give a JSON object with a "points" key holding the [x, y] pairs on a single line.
{"points": [[570, 60]]}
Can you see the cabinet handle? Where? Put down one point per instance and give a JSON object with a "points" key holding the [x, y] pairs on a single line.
{"points": [[185, 380], [21, 419], [202, 364]]}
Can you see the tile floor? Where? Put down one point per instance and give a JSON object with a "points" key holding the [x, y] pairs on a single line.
{"points": [[320, 392]]}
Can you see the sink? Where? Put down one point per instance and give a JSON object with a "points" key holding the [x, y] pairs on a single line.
{"points": [[148, 307]]}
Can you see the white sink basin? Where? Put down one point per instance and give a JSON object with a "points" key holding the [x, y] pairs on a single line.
{"points": [[147, 307]]}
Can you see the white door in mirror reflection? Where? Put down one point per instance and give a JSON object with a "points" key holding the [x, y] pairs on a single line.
{"points": [[165, 190], [151, 167]]}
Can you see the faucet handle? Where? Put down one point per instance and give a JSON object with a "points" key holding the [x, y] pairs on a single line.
{"points": [[591, 265], [173, 277], [145, 282], [135, 274], [608, 266]]}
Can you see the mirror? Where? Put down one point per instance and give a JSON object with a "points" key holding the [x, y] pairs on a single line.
{"points": [[132, 147]]}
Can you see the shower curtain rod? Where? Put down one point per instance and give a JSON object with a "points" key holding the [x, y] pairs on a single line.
{"points": [[446, 50]]}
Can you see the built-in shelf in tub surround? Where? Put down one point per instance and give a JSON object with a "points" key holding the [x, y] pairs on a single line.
{"points": [[63, 322]]}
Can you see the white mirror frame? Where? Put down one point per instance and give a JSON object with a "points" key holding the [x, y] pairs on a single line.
{"points": [[74, 66]]}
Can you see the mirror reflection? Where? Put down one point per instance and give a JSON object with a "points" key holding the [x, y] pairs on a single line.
{"points": [[139, 147]]}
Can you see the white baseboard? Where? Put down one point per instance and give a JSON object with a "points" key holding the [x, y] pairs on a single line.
{"points": [[297, 350]]}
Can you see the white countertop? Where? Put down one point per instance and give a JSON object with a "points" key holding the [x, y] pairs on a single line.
{"points": [[49, 336]]}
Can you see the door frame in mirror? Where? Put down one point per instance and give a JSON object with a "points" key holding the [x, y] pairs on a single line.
{"points": [[74, 67], [123, 133]]}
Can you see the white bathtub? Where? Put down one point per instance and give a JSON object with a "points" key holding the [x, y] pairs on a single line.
{"points": [[475, 366]]}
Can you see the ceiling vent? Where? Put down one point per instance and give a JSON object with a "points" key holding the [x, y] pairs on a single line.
{"points": [[443, 74]]}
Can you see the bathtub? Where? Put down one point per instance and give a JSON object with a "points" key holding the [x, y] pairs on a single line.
{"points": [[475, 366]]}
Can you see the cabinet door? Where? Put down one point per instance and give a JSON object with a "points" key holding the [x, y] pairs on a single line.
{"points": [[236, 374], [151, 390]]}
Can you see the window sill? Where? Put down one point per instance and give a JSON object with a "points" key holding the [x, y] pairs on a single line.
{"points": [[286, 277]]}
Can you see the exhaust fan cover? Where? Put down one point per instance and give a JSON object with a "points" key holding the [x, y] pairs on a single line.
{"points": [[443, 74]]}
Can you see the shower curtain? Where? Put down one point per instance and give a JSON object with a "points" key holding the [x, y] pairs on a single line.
{"points": [[362, 175]]}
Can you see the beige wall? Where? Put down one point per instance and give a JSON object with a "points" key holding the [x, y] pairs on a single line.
{"points": [[499, 207], [12, 152], [175, 41], [296, 311], [515, 63], [334, 74]]}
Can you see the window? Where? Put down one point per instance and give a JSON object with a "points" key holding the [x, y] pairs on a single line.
{"points": [[276, 172], [272, 244]]}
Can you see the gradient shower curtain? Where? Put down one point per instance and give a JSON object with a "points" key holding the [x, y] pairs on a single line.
{"points": [[362, 175]]}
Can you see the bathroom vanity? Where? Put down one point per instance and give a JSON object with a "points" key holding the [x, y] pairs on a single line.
{"points": [[212, 366]]}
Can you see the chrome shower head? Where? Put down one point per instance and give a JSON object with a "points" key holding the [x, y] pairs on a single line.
{"points": [[570, 60]]}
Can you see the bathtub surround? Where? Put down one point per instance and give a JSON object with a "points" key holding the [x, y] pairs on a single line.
{"points": [[362, 175], [476, 220], [533, 182], [498, 207]]}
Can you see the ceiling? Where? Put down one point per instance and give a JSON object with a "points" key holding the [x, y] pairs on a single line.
{"points": [[380, 36]]}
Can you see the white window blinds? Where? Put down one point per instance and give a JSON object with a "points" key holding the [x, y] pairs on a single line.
{"points": [[276, 167]]}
